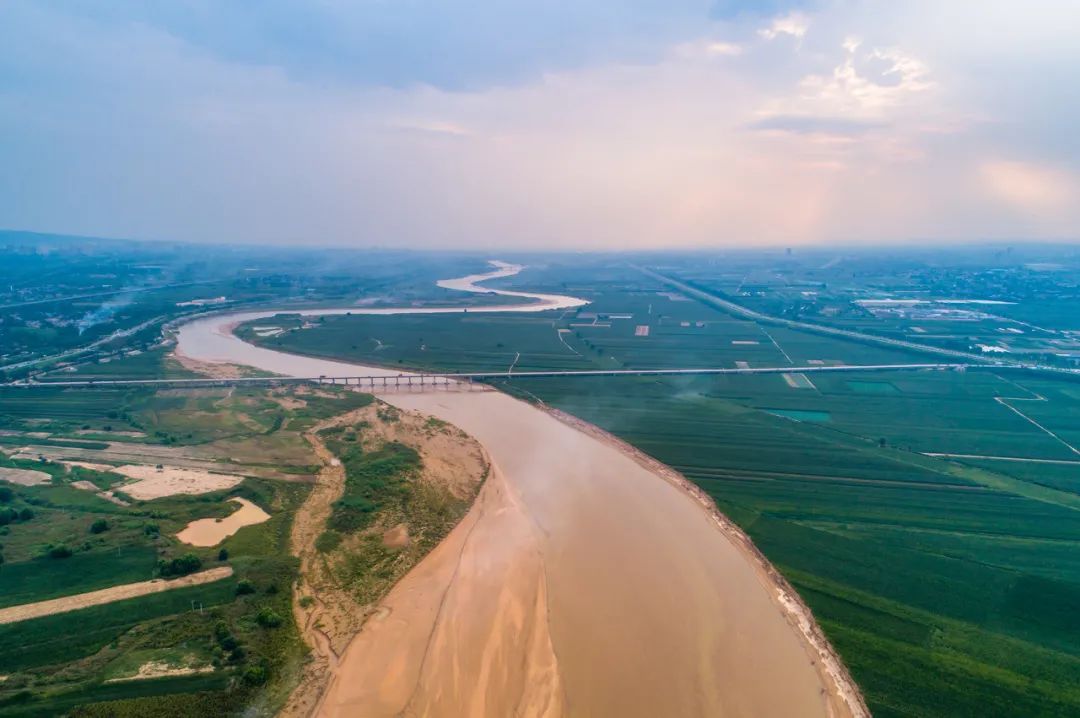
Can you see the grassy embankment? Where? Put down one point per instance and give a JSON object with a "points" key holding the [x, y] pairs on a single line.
{"points": [[392, 510]]}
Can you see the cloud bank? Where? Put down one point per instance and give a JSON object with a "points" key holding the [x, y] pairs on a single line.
{"points": [[614, 124]]}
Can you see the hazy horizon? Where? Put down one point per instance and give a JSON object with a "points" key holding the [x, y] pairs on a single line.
{"points": [[514, 127]]}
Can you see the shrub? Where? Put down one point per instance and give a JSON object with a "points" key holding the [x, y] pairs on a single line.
{"points": [[244, 587], [99, 526], [223, 555], [267, 618], [254, 676], [6, 494], [181, 566], [26, 514], [59, 551], [327, 541]]}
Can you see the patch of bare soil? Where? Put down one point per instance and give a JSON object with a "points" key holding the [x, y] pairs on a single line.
{"points": [[161, 669], [290, 403], [334, 600], [153, 482], [107, 495], [87, 465], [26, 611], [227, 456], [24, 477], [396, 537]]}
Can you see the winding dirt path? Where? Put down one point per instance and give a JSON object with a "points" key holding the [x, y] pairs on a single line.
{"points": [[309, 522]]}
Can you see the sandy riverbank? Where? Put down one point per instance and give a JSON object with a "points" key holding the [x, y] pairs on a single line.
{"points": [[650, 606]]}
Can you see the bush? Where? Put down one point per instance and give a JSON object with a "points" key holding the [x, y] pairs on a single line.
{"points": [[327, 541], [99, 526], [223, 555], [6, 494], [267, 618], [244, 587], [254, 676], [59, 551], [181, 566], [26, 514]]}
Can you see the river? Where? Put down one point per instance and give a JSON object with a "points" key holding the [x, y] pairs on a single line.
{"points": [[581, 583]]}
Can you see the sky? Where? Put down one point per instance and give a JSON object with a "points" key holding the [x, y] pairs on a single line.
{"points": [[563, 125]]}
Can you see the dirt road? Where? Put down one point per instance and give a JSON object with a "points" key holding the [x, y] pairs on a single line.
{"points": [[27, 611]]}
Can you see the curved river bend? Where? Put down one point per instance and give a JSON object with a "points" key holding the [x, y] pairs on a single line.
{"points": [[581, 583]]}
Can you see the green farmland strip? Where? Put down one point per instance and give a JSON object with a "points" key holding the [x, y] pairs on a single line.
{"points": [[44, 578], [67, 636]]}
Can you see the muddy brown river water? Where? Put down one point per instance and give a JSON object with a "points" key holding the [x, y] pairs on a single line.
{"points": [[581, 583]]}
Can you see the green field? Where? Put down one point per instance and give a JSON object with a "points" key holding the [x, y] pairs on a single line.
{"points": [[56, 663], [950, 587], [971, 589]]}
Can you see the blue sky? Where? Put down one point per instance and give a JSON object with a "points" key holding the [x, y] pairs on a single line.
{"points": [[485, 123]]}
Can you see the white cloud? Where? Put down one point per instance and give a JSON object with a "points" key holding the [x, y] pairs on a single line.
{"points": [[433, 127], [864, 129], [723, 48], [708, 48], [794, 25]]}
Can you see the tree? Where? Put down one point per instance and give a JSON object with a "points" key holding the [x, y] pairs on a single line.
{"points": [[6, 494], [223, 555], [881, 442], [100, 526], [254, 676], [267, 618], [59, 551], [181, 566]]}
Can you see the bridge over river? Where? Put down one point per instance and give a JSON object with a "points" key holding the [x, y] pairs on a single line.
{"points": [[471, 380]]}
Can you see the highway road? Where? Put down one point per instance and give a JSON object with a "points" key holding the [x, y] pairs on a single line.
{"points": [[742, 311]]}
